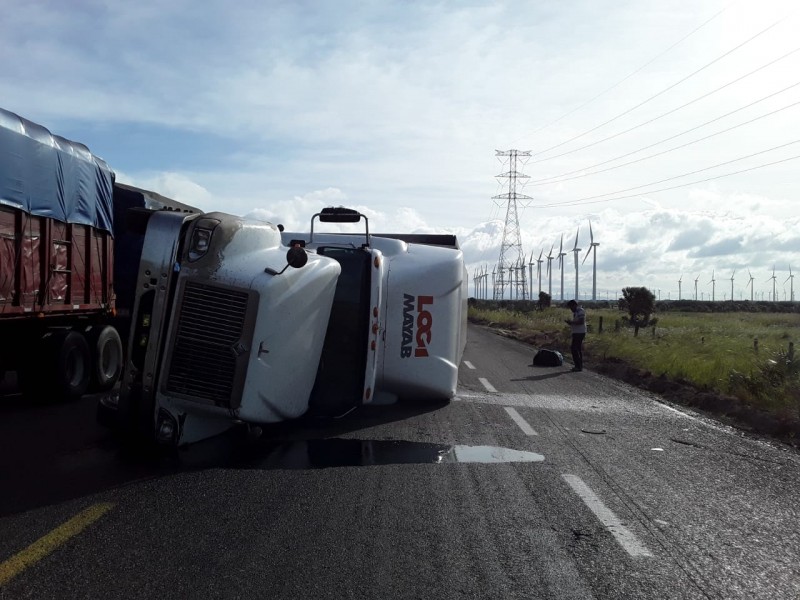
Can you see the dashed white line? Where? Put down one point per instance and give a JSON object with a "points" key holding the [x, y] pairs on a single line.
{"points": [[622, 534], [469, 365], [489, 387], [523, 424]]}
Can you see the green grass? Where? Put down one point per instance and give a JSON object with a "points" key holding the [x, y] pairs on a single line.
{"points": [[714, 351]]}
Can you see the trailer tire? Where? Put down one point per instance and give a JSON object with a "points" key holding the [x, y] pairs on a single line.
{"points": [[106, 359], [57, 368], [73, 362]]}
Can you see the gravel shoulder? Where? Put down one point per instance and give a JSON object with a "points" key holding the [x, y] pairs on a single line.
{"points": [[726, 409]]}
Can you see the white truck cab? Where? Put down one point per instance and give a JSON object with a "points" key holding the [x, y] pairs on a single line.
{"points": [[236, 321]]}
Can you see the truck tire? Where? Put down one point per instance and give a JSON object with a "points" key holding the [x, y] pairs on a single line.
{"points": [[106, 359]]}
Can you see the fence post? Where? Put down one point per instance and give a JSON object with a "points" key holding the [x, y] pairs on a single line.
{"points": [[600, 326], [755, 344]]}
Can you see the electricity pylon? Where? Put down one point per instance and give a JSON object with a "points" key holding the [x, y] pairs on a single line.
{"points": [[511, 246]]}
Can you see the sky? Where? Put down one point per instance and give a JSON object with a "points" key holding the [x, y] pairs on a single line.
{"points": [[672, 127]]}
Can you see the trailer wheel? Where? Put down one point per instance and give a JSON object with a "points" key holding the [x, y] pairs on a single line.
{"points": [[57, 367], [72, 366], [106, 359]]}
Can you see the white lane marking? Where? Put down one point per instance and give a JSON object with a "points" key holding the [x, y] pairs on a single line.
{"points": [[469, 365], [622, 534], [523, 424], [489, 387]]}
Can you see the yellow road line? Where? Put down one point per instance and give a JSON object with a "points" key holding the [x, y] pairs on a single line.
{"points": [[46, 544]]}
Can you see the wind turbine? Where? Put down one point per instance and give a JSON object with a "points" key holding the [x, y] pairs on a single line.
{"points": [[530, 276], [790, 279], [695, 287], [539, 262], [773, 278], [593, 249], [550, 271], [750, 283], [523, 274], [515, 280], [732, 274], [575, 252], [679, 286], [561, 255], [713, 283]]}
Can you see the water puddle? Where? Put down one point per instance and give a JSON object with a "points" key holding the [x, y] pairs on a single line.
{"points": [[339, 452]]}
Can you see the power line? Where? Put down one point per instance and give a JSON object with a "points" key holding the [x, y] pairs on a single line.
{"points": [[669, 112], [638, 160], [590, 199], [727, 162], [547, 180], [624, 79], [677, 83]]}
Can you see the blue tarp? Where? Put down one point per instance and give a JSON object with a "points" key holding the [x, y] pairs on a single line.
{"points": [[49, 176]]}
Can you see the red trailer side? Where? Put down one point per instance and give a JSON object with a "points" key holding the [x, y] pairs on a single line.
{"points": [[49, 268]]}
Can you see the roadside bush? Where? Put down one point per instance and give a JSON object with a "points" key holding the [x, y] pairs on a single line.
{"points": [[774, 382]]}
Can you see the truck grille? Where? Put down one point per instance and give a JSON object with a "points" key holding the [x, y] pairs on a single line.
{"points": [[208, 350]]}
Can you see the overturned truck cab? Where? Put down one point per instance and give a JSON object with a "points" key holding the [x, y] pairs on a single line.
{"points": [[236, 321]]}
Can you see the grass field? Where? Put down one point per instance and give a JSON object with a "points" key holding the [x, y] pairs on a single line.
{"points": [[745, 355]]}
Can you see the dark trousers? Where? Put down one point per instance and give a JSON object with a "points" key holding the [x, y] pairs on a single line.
{"points": [[577, 349]]}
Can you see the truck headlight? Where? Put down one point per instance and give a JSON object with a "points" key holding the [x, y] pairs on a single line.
{"points": [[201, 238]]}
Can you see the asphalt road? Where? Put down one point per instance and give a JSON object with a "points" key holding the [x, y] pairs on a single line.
{"points": [[533, 483]]}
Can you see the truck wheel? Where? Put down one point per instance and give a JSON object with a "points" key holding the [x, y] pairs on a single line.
{"points": [[106, 359]]}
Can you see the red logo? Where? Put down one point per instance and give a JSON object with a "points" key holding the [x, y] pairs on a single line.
{"points": [[423, 324]]}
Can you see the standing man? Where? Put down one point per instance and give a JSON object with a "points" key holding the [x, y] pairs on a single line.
{"points": [[578, 325]]}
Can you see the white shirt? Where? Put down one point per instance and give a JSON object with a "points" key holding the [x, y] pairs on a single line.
{"points": [[578, 324]]}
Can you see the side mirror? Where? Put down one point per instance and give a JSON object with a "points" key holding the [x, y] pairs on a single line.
{"points": [[339, 214], [295, 257]]}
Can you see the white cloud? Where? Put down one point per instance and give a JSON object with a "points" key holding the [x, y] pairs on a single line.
{"points": [[176, 186]]}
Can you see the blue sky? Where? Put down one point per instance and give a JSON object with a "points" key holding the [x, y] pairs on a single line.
{"points": [[279, 108]]}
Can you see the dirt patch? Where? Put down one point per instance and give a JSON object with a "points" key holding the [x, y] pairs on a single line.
{"points": [[726, 409]]}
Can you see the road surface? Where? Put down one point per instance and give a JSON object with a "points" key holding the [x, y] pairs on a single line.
{"points": [[533, 483]]}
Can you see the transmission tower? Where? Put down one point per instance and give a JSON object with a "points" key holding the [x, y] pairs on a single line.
{"points": [[511, 247]]}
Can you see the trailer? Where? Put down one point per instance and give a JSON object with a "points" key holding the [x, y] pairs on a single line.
{"points": [[66, 259]]}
